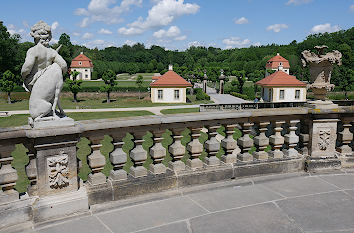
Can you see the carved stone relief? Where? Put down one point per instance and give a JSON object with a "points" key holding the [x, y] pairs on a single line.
{"points": [[58, 171], [324, 139]]}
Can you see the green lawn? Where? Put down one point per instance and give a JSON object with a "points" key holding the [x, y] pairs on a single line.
{"points": [[180, 110], [17, 120], [120, 84]]}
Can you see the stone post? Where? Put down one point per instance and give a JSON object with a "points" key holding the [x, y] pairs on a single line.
{"points": [[291, 140], [230, 145], [8, 177], [261, 141], [138, 155], [345, 137], [177, 150], [96, 162], [212, 146], [158, 153], [276, 140], [305, 137], [118, 158], [195, 148], [245, 143], [205, 82]]}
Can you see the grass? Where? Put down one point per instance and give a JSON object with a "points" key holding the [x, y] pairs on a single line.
{"points": [[86, 101], [179, 110], [18, 120]]}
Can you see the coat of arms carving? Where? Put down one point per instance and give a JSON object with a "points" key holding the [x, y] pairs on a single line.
{"points": [[58, 171], [324, 139]]}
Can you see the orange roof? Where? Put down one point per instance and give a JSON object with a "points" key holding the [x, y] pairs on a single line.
{"points": [[81, 61], [274, 62], [170, 79], [280, 79]]}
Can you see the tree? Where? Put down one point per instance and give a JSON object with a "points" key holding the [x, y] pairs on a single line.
{"points": [[66, 51], [9, 50], [139, 83], [343, 78], [74, 85], [109, 79], [8, 83]]}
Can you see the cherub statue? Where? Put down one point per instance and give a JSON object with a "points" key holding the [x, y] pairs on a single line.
{"points": [[42, 74]]}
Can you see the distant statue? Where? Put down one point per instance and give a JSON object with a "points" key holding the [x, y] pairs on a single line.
{"points": [[321, 66], [42, 74]]}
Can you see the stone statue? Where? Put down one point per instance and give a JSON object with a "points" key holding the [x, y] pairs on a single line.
{"points": [[321, 66], [42, 74]]}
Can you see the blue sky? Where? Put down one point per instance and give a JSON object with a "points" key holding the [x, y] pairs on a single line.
{"points": [[178, 24]]}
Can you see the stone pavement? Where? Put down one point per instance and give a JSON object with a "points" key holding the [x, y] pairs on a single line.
{"points": [[156, 110], [227, 99], [297, 202]]}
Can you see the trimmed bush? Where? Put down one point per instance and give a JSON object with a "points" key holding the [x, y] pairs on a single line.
{"points": [[239, 95]]}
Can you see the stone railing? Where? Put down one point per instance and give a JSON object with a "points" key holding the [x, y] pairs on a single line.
{"points": [[244, 106], [51, 173]]}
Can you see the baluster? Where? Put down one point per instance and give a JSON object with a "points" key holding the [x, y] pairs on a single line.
{"points": [[118, 158], [212, 146], [245, 143], [96, 162], [158, 153], [195, 149], [177, 150], [305, 137], [291, 140], [261, 141], [138, 155], [230, 145], [345, 137], [276, 140], [8, 178]]}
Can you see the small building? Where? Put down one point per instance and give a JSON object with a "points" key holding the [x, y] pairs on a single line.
{"points": [[277, 63], [282, 87], [82, 64], [169, 88]]}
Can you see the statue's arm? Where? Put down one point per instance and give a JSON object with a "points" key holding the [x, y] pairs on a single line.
{"points": [[61, 62], [29, 63]]}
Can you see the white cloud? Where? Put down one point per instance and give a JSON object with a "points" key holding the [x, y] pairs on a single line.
{"points": [[103, 11], [161, 14], [129, 42], [241, 20], [76, 34], [277, 27], [351, 8], [54, 25], [104, 31], [172, 33], [13, 30], [321, 28], [257, 44], [87, 35], [54, 41], [298, 2], [236, 42], [195, 44], [98, 43]]}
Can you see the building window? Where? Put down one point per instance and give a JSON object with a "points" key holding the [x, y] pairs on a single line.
{"points": [[86, 76], [159, 94], [297, 94], [280, 63], [281, 94], [176, 94], [85, 70], [80, 63]]}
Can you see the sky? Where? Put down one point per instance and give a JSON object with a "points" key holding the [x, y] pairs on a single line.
{"points": [[179, 24]]}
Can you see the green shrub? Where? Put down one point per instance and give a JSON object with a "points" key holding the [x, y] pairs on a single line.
{"points": [[249, 92], [239, 95]]}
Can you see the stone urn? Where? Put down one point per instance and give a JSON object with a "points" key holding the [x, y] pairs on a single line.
{"points": [[321, 66]]}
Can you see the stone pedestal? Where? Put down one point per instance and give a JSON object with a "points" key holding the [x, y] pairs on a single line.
{"points": [[323, 136], [321, 104], [51, 122]]}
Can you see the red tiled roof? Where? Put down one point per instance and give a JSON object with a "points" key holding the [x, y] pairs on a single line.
{"points": [[170, 79], [280, 78], [156, 77], [85, 62], [273, 63]]}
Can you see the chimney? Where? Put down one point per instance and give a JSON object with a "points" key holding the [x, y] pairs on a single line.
{"points": [[81, 52], [278, 54], [170, 67]]}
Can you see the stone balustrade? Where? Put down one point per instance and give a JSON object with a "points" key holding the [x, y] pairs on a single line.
{"points": [[109, 159]]}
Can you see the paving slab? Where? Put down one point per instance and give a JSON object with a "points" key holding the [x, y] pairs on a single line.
{"points": [[261, 218], [322, 212], [232, 197], [345, 181], [151, 214], [88, 224], [300, 186], [180, 227]]}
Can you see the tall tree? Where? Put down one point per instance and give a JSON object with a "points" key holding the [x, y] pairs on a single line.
{"points": [[109, 78], [8, 83], [74, 84], [66, 51], [9, 49], [139, 83]]}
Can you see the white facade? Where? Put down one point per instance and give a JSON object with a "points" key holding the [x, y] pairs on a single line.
{"points": [[278, 69], [284, 94], [85, 73], [168, 94]]}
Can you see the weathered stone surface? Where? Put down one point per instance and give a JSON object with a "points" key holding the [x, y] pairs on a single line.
{"points": [[118, 175], [177, 166], [138, 171], [15, 212], [158, 168], [180, 227], [97, 178]]}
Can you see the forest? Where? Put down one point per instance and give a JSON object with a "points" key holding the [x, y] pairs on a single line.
{"points": [[191, 63]]}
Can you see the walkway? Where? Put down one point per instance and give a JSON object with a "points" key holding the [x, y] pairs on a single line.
{"points": [[224, 98], [279, 203], [156, 110]]}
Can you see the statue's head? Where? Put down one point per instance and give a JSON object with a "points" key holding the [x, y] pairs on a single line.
{"points": [[41, 33]]}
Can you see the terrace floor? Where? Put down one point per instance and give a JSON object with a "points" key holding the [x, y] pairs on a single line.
{"points": [[297, 202]]}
